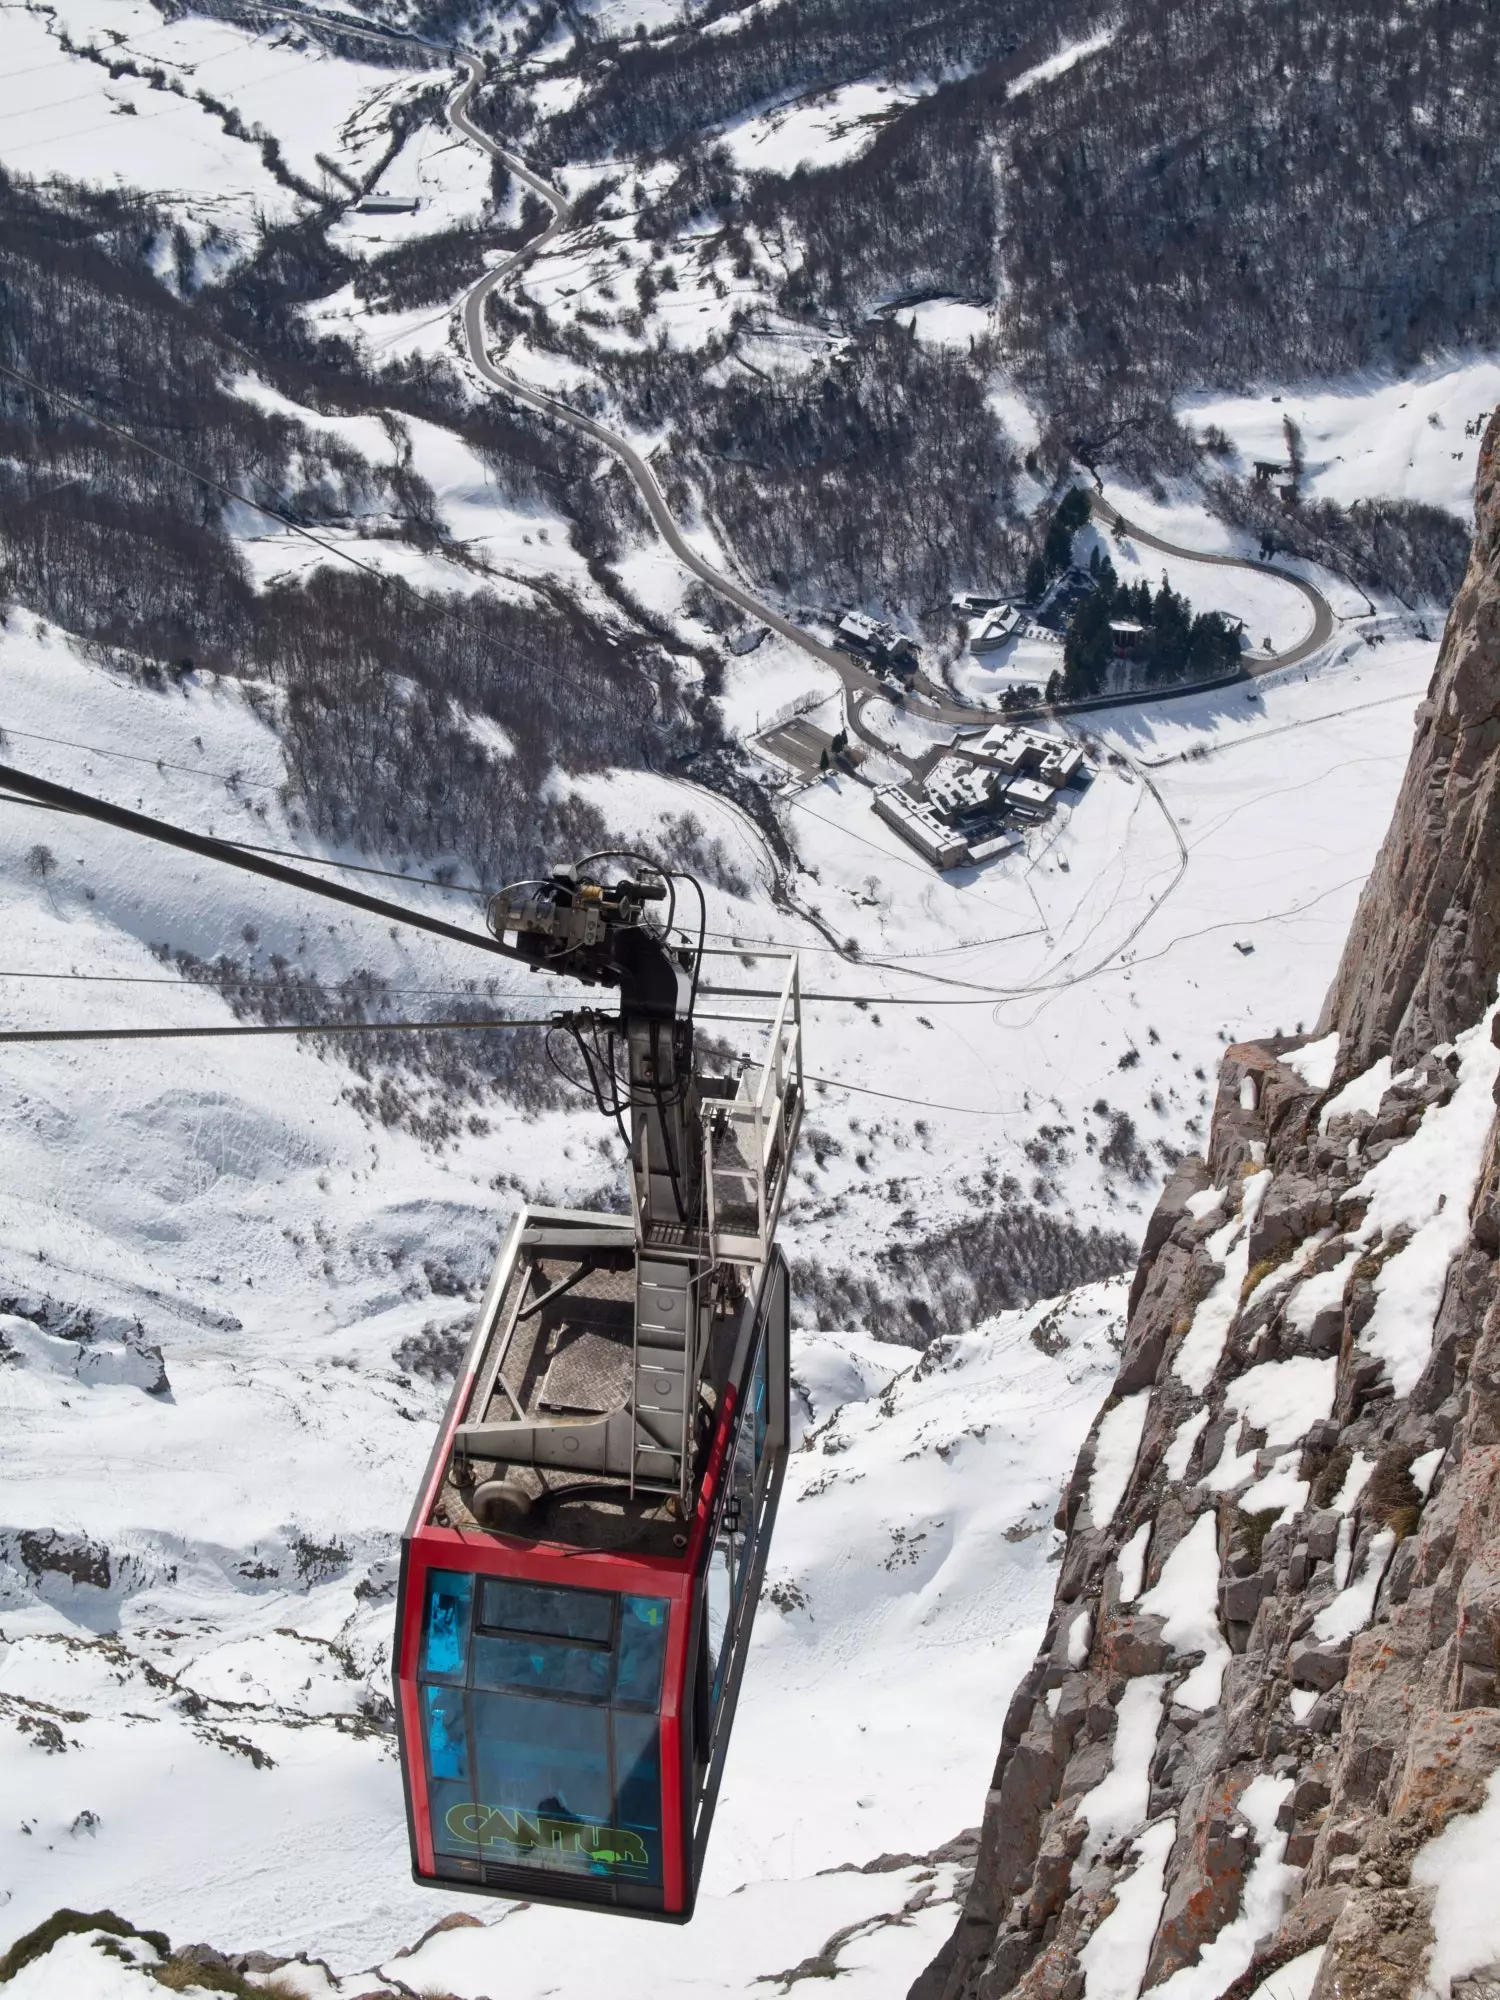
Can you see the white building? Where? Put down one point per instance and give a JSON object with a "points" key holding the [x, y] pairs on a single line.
{"points": [[997, 630], [1029, 797], [954, 787], [921, 828], [1026, 753]]}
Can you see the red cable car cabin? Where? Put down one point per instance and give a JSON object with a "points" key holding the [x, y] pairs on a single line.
{"points": [[570, 1649]]}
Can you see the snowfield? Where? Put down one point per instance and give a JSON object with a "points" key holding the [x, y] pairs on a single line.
{"points": [[66, 115], [1412, 438]]}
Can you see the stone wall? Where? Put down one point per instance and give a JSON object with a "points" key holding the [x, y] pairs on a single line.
{"points": [[1272, 1671]]}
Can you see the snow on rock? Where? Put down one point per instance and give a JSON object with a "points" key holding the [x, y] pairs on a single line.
{"points": [[1424, 1468], [1132, 1564], [1294, 1980], [1115, 1455], [1323, 1292], [1350, 1610], [1280, 1489], [1361, 1094], [1268, 1886], [1186, 1597], [1424, 1188], [1283, 1398], [1115, 1958], [1314, 1062], [1119, 1802], [1354, 1483], [1080, 1636], [1202, 1345], [1180, 1450], [1461, 1866]]}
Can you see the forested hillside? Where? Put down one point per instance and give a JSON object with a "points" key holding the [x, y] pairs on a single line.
{"points": [[1211, 195], [140, 550]]}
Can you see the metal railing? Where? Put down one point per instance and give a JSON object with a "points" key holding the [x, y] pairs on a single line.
{"points": [[748, 1139]]}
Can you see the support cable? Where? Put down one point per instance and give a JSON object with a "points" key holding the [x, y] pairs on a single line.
{"points": [[294, 1028], [44, 791], [167, 458]]}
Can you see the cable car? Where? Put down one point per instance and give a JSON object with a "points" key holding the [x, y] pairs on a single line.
{"points": [[581, 1568], [566, 1691]]}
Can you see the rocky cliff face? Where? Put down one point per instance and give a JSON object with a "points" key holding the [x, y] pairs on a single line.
{"points": [[1260, 1736]]}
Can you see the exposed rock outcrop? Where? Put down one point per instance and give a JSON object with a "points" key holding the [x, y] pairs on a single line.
{"points": [[1272, 1673], [1424, 948]]}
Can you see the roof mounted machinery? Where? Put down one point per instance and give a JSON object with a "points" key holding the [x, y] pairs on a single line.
{"points": [[582, 1564]]}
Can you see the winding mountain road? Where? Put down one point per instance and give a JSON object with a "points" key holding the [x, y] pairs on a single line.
{"points": [[935, 703], [1325, 624], [635, 463]]}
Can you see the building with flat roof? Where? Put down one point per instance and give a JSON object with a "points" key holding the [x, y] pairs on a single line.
{"points": [[1018, 752], [1029, 798], [920, 827], [956, 788]]}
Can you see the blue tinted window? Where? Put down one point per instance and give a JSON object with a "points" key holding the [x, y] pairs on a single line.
{"points": [[638, 1784], [449, 1796], [531, 1768], [760, 1403], [555, 1614], [446, 1632], [543, 1665], [447, 1738], [643, 1648], [544, 1797]]}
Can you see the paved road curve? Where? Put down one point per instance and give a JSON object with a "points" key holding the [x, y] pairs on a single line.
{"points": [[934, 702], [636, 465], [1324, 622]]}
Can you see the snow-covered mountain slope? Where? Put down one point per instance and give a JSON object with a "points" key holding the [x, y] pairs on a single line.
{"points": [[219, 1760], [197, 1613], [233, 1276], [1258, 1752]]}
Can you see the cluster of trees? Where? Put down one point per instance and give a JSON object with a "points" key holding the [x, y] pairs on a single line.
{"points": [[1056, 553], [434, 1086], [1242, 188], [432, 270], [1230, 190], [1174, 645], [1404, 546], [651, 94], [1005, 1257], [880, 476]]}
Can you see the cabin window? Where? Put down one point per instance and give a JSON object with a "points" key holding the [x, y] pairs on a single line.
{"points": [[546, 1754]]}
